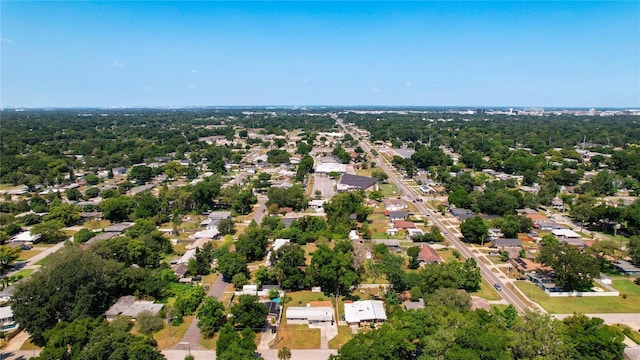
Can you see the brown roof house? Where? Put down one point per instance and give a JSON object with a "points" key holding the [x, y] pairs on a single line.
{"points": [[428, 255]]}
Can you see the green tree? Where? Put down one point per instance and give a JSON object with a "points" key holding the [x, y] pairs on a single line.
{"points": [[73, 194], [67, 214], [211, 316], [140, 174], [74, 284], [592, 339], [148, 322], [249, 312], [574, 269], [474, 230], [284, 353], [117, 209], [83, 235], [333, 270], [231, 263], [8, 255], [49, 231], [634, 249], [227, 227], [244, 201]]}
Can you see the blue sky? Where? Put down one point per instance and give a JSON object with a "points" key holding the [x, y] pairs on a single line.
{"points": [[566, 54]]}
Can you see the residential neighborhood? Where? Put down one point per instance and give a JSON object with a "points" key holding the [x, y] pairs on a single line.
{"points": [[311, 235]]}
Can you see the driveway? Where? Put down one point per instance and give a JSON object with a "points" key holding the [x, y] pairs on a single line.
{"points": [[191, 339]]}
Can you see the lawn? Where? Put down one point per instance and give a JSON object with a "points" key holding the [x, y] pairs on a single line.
{"points": [[25, 273], [364, 172], [166, 340], [96, 224], [587, 305], [344, 335], [487, 291], [301, 298], [626, 286], [28, 254], [389, 190], [45, 261], [631, 334], [297, 337]]}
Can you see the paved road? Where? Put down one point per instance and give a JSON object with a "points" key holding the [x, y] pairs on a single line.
{"points": [[262, 209], [506, 293], [192, 335], [266, 354]]}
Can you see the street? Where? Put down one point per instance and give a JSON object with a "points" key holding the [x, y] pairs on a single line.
{"points": [[506, 293]]}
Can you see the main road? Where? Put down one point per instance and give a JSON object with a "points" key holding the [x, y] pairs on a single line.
{"points": [[506, 293]]}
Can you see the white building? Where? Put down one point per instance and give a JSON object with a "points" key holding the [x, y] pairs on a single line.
{"points": [[6, 319], [368, 311], [310, 315]]}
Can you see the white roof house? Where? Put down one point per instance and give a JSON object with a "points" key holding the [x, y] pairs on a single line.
{"points": [[184, 259], [311, 315], [278, 243], [327, 168], [565, 234], [128, 306], [209, 233], [7, 323], [26, 236], [364, 311]]}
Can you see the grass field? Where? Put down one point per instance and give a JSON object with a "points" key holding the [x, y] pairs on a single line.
{"points": [[301, 298], [166, 340], [297, 337], [344, 335], [389, 190], [96, 224], [569, 305], [28, 254], [487, 291], [24, 272]]}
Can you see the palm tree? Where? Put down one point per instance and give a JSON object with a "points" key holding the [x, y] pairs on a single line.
{"points": [[284, 353]]}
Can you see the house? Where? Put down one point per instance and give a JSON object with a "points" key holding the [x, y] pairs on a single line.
{"points": [[317, 205], [462, 214], [249, 290], [394, 204], [209, 233], [392, 232], [355, 182], [397, 215], [273, 310], [367, 311], [7, 323], [140, 189], [314, 316], [506, 243], [557, 204], [414, 232], [565, 234], [627, 267], [119, 170], [26, 237], [118, 227], [103, 236], [548, 225], [403, 224], [128, 306], [414, 305], [428, 255], [390, 243], [330, 167]]}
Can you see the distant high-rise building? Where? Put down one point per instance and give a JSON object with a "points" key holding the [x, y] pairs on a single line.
{"points": [[592, 112]]}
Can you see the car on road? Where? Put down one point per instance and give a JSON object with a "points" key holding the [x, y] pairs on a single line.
{"points": [[497, 286]]}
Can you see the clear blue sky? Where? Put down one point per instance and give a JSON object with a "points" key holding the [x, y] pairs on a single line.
{"points": [[565, 53]]}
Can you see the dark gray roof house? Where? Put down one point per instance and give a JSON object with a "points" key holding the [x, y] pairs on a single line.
{"points": [[626, 267], [462, 214], [357, 182], [397, 215], [506, 243]]}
